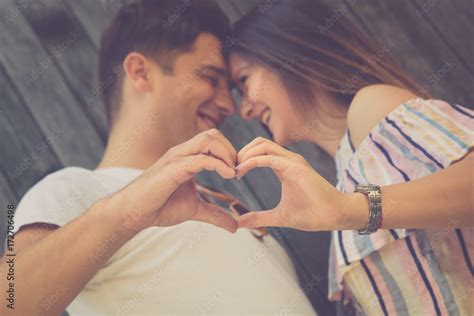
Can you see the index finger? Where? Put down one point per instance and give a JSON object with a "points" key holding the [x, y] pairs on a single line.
{"points": [[212, 143], [226, 143]]}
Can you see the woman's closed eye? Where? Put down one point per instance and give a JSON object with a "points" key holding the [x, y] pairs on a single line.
{"points": [[241, 82]]}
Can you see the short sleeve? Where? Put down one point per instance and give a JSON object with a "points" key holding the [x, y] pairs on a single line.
{"points": [[418, 138], [57, 199], [442, 132]]}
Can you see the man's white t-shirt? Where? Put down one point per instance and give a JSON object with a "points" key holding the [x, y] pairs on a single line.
{"points": [[188, 269]]}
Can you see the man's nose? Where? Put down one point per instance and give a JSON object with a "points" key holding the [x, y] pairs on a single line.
{"points": [[225, 102]]}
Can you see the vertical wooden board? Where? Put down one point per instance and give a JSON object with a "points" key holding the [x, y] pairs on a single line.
{"points": [[417, 48], [453, 20], [321, 161], [245, 6], [94, 16], [229, 8], [73, 52], [6, 197], [341, 8], [26, 153], [37, 79]]}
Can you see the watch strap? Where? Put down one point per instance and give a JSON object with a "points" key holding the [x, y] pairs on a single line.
{"points": [[374, 198]]}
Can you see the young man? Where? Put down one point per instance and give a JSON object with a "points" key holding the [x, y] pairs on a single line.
{"points": [[94, 242]]}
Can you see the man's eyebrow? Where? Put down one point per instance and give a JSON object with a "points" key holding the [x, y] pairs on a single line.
{"points": [[218, 70]]}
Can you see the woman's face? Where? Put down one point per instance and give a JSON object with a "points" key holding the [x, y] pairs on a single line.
{"points": [[265, 99]]}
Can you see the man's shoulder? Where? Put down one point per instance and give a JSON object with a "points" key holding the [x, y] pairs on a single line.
{"points": [[59, 197], [69, 172], [68, 185], [65, 179]]}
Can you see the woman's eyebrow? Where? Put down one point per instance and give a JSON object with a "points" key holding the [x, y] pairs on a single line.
{"points": [[238, 73]]}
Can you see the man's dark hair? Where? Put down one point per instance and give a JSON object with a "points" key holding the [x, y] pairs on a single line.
{"points": [[158, 29]]}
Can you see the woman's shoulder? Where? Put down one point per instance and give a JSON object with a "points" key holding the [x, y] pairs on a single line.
{"points": [[370, 105], [392, 122]]}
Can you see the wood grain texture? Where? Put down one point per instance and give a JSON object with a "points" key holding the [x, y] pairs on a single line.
{"points": [[243, 6], [66, 41], [50, 101], [7, 197], [26, 153], [417, 48], [452, 20], [230, 9], [94, 16]]}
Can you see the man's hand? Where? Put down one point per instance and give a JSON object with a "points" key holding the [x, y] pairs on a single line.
{"points": [[165, 194]]}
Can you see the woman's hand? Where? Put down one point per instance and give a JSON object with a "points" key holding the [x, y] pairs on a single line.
{"points": [[165, 194], [308, 201]]}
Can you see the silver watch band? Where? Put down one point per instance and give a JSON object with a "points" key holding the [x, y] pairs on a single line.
{"points": [[372, 192]]}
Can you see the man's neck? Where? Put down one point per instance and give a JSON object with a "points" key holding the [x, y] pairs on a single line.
{"points": [[133, 147]]}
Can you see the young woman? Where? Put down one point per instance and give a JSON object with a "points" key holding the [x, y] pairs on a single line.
{"points": [[330, 86]]}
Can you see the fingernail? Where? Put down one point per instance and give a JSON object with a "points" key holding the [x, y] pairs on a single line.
{"points": [[237, 173]]}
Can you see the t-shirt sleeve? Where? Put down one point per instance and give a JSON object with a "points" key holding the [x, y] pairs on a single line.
{"points": [[57, 199]]}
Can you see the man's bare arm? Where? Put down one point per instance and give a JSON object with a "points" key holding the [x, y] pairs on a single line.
{"points": [[58, 263], [50, 272]]}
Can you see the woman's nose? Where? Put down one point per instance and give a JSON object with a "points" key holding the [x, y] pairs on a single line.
{"points": [[246, 109]]}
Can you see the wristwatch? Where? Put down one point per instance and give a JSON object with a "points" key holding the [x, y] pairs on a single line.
{"points": [[372, 192]]}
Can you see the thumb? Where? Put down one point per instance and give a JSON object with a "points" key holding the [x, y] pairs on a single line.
{"points": [[213, 214], [260, 219]]}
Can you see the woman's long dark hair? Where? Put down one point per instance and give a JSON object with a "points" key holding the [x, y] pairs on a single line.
{"points": [[310, 46]]}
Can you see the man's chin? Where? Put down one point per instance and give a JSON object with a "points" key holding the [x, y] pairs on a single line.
{"points": [[202, 126]]}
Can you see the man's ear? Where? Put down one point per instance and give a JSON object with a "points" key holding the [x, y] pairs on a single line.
{"points": [[138, 68]]}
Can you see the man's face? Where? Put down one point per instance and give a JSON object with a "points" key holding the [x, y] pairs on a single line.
{"points": [[195, 97]]}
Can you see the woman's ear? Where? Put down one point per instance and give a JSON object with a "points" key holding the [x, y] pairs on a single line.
{"points": [[138, 69]]}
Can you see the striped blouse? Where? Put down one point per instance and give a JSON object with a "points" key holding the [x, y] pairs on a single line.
{"points": [[405, 271]]}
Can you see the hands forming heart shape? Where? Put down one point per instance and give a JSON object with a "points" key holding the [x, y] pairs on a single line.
{"points": [[165, 194]]}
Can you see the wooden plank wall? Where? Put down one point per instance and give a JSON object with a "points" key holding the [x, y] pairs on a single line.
{"points": [[51, 115]]}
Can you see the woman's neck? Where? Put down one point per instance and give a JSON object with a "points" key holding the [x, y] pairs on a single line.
{"points": [[330, 128], [329, 140]]}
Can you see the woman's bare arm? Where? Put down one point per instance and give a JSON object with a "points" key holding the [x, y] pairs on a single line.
{"points": [[439, 200], [309, 202]]}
